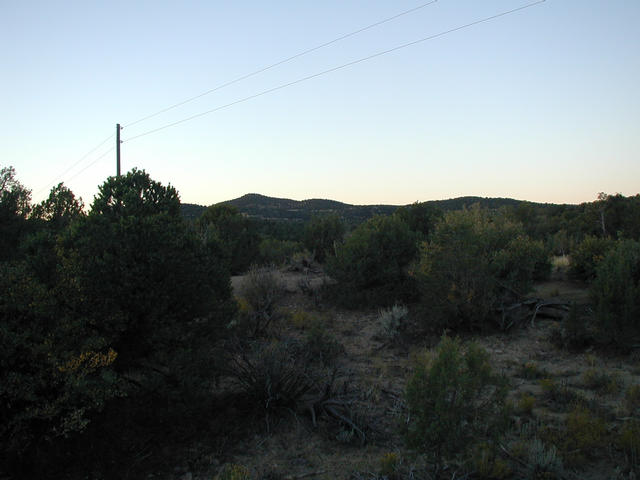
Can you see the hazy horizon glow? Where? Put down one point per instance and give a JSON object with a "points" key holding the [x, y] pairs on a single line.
{"points": [[541, 105]]}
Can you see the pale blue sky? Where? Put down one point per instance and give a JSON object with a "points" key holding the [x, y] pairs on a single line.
{"points": [[542, 104]]}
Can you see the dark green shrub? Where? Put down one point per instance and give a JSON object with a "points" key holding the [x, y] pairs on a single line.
{"points": [[629, 442], [584, 437], [531, 371], [586, 256], [525, 404], [49, 220], [560, 395], [574, 333], [232, 471], [420, 217], [455, 401], [616, 295], [139, 277], [237, 236], [107, 318], [54, 375], [486, 463], [60, 208], [277, 252], [322, 235], [15, 205], [372, 263], [322, 345], [632, 399], [605, 383], [476, 262]]}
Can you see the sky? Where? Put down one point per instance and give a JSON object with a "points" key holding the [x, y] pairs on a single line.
{"points": [[541, 104]]}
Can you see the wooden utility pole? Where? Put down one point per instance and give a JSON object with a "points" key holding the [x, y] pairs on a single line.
{"points": [[118, 149]]}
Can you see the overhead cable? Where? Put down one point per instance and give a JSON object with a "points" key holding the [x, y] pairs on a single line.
{"points": [[324, 72], [104, 154], [58, 177], [264, 69]]}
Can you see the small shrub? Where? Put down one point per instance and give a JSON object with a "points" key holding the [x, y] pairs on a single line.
{"points": [[261, 293], [302, 319], [389, 464], [486, 464], [322, 235], [301, 261], [372, 265], [574, 333], [226, 230], [277, 252], [543, 462], [629, 442], [271, 473], [393, 321], [346, 436], [526, 403], [585, 435], [272, 374], [234, 472], [587, 256], [531, 371], [603, 382], [632, 399], [560, 394], [455, 401], [322, 345]]}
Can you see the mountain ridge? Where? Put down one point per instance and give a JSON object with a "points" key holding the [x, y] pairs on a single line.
{"points": [[273, 208]]}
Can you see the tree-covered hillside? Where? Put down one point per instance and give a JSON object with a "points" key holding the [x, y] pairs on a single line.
{"points": [[263, 207]]}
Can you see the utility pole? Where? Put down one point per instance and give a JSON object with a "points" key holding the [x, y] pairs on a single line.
{"points": [[117, 149]]}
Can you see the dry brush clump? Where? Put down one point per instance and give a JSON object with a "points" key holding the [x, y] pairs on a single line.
{"points": [[301, 377], [394, 322], [272, 374], [260, 297]]}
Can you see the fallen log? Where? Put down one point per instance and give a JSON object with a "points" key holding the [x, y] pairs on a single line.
{"points": [[511, 314]]}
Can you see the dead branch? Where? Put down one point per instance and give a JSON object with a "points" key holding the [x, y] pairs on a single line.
{"points": [[532, 308], [543, 304], [330, 410]]}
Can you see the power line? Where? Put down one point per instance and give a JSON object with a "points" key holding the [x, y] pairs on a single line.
{"points": [[104, 154], [345, 65], [264, 69], [58, 177]]}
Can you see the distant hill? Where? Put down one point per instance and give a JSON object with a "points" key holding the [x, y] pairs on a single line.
{"points": [[270, 208], [191, 211], [255, 205], [460, 202]]}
